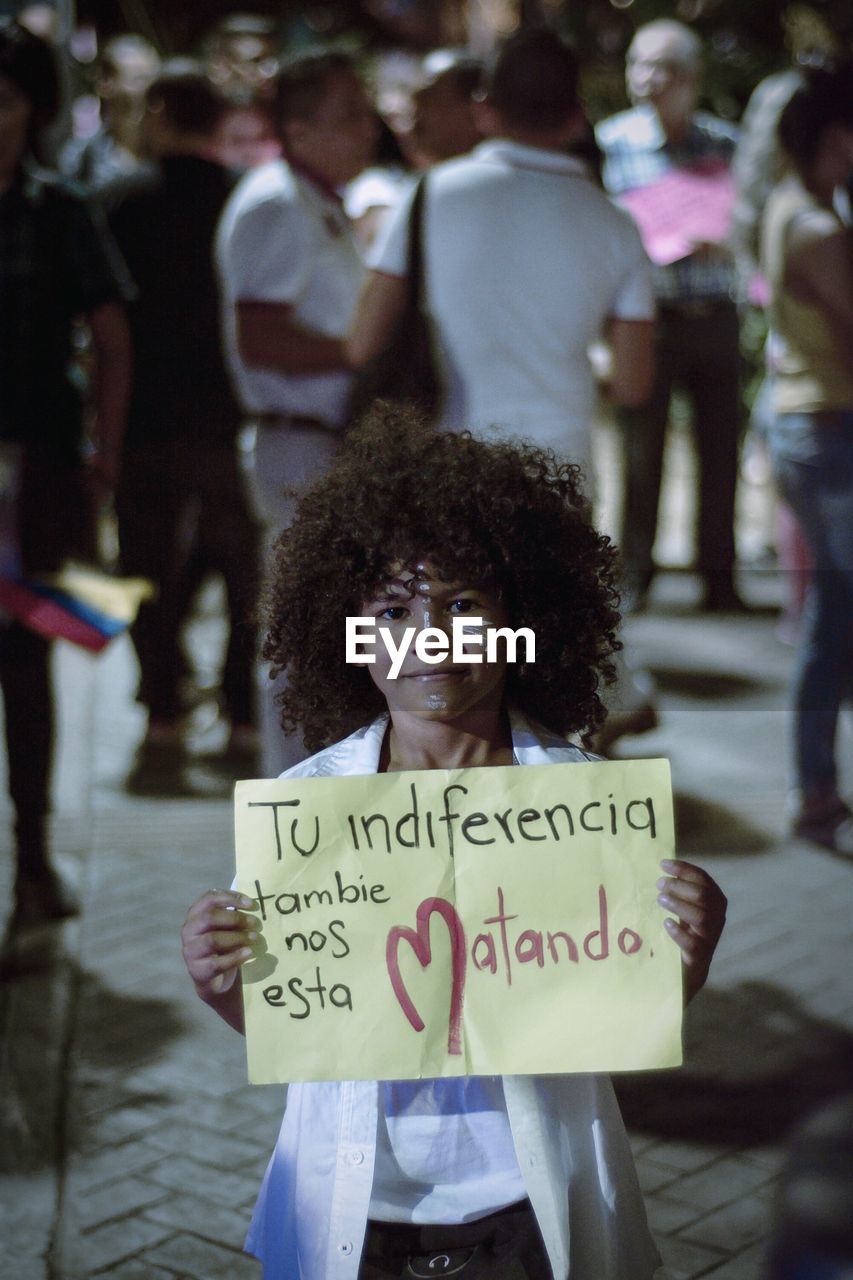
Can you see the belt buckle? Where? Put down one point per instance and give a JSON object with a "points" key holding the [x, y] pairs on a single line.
{"points": [[449, 1262]]}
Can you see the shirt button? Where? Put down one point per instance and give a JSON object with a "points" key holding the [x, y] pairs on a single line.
{"points": [[345, 1248], [356, 1157]]}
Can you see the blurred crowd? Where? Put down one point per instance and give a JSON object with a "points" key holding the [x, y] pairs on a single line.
{"points": [[204, 259], [209, 262]]}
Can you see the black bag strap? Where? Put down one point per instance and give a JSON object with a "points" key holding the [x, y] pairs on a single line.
{"points": [[415, 260]]}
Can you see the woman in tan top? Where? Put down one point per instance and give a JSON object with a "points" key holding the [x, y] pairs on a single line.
{"points": [[807, 252]]}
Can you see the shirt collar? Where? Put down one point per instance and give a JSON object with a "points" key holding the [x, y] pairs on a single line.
{"points": [[359, 753], [522, 156], [644, 129]]}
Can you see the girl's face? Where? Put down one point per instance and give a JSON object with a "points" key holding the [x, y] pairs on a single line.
{"points": [[15, 112], [446, 690]]}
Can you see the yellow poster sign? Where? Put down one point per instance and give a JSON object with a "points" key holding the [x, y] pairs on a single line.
{"points": [[459, 922]]}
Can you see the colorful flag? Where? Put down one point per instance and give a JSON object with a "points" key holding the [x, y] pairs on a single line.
{"points": [[84, 606]]}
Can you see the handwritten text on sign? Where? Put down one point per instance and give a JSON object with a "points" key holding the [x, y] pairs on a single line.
{"points": [[464, 922]]}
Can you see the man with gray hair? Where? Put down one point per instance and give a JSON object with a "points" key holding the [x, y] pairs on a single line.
{"points": [[661, 136]]}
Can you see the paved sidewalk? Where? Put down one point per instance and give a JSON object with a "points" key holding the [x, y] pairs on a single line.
{"points": [[131, 1146]]}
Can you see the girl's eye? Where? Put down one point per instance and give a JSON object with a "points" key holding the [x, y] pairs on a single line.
{"points": [[394, 613], [463, 606]]}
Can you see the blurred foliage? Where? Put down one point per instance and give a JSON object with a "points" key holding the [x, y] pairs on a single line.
{"points": [[745, 40]]}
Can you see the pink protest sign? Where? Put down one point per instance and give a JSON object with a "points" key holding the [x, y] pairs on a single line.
{"points": [[682, 209]]}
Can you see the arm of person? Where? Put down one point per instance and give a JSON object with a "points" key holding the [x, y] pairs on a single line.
{"points": [[380, 306], [698, 906], [632, 368], [384, 292], [111, 345], [269, 337], [217, 938], [819, 270]]}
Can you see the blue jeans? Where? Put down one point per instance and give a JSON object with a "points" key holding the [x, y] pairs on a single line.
{"points": [[813, 461]]}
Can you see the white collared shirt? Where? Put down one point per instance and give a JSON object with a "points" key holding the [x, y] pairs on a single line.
{"points": [[282, 239], [570, 1142], [525, 259]]}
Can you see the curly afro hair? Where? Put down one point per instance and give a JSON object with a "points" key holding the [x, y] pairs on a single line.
{"points": [[508, 514]]}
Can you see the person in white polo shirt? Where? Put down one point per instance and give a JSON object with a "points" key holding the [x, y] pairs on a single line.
{"points": [[527, 263], [290, 273]]}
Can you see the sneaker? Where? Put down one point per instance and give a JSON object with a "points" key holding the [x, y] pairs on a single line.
{"points": [[831, 827], [158, 768], [41, 900], [722, 598]]}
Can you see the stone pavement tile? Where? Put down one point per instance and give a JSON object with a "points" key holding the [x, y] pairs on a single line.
{"points": [[17, 1263], [830, 998], [225, 1149], [146, 827], [809, 976], [640, 1142], [766, 1157], [211, 1221], [749, 1265], [97, 1169], [226, 1187], [116, 1200], [732, 1227], [652, 1177], [683, 1260], [263, 1129], [684, 1156], [266, 1100], [750, 958], [82, 1254], [111, 1128], [201, 1260], [137, 1269], [27, 1208], [231, 1114], [185, 1070], [667, 1217], [97, 1091], [721, 1183]]}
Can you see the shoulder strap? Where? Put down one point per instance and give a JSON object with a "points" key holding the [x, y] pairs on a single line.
{"points": [[414, 266]]}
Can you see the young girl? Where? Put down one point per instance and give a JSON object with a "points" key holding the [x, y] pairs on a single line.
{"points": [[493, 1177]]}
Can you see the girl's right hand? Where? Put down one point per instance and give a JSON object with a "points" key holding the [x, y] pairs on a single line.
{"points": [[217, 938]]}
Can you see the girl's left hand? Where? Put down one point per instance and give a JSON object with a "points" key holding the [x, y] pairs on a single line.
{"points": [[699, 904]]}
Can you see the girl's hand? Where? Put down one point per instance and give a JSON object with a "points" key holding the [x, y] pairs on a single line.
{"points": [[700, 906], [217, 938]]}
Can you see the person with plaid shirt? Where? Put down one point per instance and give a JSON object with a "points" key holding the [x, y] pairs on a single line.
{"points": [[698, 339]]}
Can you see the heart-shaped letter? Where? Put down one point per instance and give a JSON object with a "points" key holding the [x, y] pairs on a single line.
{"points": [[418, 939]]}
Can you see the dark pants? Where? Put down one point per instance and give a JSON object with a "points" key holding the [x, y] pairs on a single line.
{"points": [[698, 353], [28, 707], [504, 1246], [176, 504], [56, 520]]}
